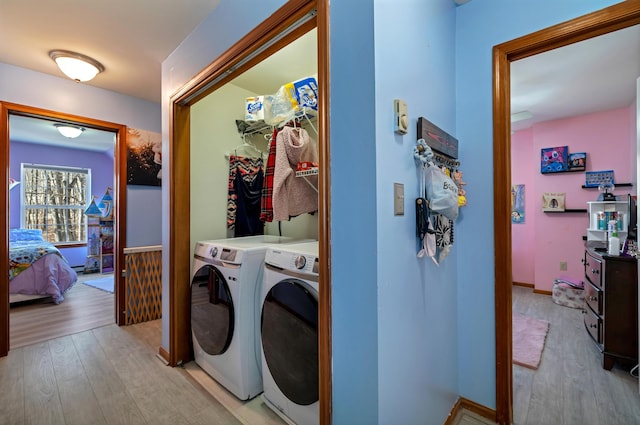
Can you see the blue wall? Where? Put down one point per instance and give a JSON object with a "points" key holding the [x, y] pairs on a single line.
{"points": [[479, 26], [417, 300], [31, 88], [101, 165], [355, 260]]}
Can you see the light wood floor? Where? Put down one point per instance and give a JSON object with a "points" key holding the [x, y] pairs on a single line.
{"points": [[109, 375], [83, 308], [570, 387]]}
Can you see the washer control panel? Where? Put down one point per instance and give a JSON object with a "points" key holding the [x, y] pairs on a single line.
{"points": [[217, 252]]}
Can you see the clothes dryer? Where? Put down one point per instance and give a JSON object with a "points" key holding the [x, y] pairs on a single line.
{"points": [[289, 332], [224, 328]]}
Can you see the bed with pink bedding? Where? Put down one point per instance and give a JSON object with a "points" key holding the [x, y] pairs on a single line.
{"points": [[37, 268]]}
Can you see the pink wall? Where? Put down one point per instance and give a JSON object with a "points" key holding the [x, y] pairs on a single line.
{"points": [[522, 172], [546, 239]]}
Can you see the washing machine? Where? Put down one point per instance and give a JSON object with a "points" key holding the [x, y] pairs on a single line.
{"points": [[289, 332], [224, 322]]}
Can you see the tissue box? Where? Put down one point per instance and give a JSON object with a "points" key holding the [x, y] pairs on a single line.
{"points": [[254, 109]]}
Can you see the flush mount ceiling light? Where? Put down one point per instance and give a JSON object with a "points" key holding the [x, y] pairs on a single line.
{"points": [[70, 131], [76, 66]]}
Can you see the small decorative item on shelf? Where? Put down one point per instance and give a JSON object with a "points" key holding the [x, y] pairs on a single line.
{"points": [[597, 178], [554, 160], [553, 201], [606, 192]]}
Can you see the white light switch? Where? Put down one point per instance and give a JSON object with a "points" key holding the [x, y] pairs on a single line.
{"points": [[401, 118], [398, 199]]}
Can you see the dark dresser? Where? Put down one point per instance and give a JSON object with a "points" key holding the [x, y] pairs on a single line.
{"points": [[611, 304]]}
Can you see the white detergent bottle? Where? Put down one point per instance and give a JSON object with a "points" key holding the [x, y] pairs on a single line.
{"points": [[614, 241]]}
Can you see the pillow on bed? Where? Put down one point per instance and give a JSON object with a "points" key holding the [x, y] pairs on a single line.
{"points": [[19, 235]]}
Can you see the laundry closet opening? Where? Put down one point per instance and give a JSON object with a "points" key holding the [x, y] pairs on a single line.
{"points": [[224, 143], [253, 234]]}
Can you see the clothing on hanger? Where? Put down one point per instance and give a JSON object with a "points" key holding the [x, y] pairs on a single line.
{"points": [[293, 196], [248, 195], [249, 168], [266, 203]]}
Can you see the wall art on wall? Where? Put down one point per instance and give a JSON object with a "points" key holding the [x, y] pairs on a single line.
{"points": [[553, 201], [599, 178], [554, 160], [144, 157], [577, 161], [517, 204]]}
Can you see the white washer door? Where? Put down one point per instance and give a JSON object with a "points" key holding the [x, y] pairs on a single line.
{"points": [[289, 331], [211, 310]]}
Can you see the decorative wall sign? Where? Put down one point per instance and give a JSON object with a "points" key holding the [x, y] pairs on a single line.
{"points": [[144, 157], [554, 160], [577, 161], [437, 139], [517, 204], [598, 178], [553, 201]]}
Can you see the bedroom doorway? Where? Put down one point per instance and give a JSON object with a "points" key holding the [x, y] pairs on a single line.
{"points": [[10, 111], [622, 15]]}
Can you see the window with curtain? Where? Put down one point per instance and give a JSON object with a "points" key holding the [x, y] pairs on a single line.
{"points": [[54, 199]]}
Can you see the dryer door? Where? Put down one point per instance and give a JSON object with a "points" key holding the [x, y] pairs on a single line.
{"points": [[289, 332], [211, 310]]}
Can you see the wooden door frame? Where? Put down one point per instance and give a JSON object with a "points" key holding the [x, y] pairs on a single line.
{"points": [[219, 72], [120, 195], [613, 18]]}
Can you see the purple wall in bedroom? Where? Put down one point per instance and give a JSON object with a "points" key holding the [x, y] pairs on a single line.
{"points": [[101, 165]]}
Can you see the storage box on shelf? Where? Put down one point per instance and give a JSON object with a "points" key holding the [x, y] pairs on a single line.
{"points": [[600, 212]]}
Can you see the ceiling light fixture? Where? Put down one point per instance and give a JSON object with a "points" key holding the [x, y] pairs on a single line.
{"points": [[76, 66], [70, 131]]}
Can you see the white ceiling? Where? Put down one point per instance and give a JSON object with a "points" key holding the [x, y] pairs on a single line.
{"points": [[594, 75], [132, 38]]}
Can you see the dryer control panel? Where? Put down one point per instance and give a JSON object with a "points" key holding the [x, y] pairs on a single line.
{"points": [[295, 258]]}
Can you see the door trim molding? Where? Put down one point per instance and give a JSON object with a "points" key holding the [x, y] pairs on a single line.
{"points": [[618, 16], [120, 204]]}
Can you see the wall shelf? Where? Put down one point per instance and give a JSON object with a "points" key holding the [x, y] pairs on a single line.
{"points": [[615, 185], [568, 210]]}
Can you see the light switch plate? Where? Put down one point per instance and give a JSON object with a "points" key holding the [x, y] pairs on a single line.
{"points": [[398, 199]]}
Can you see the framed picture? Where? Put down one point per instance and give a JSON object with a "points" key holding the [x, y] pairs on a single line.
{"points": [[597, 178], [554, 160], [553, 201], [517, 204], [144, 157], [577, 161]]}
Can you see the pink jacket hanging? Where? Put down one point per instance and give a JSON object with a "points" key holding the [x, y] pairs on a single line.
{"points": [[293, 195]]}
